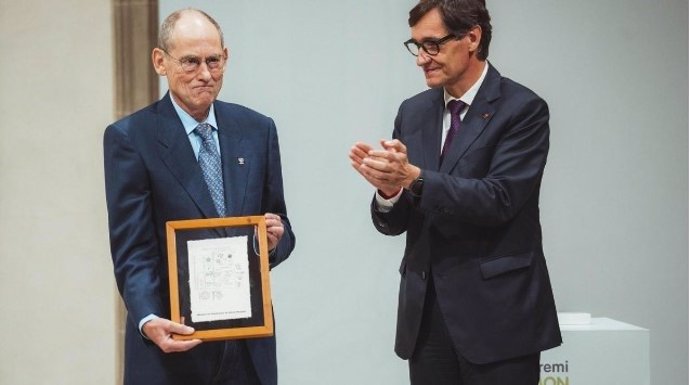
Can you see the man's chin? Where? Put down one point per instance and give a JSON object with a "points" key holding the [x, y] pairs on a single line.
{"points": [[433, 83], [205, 98]]}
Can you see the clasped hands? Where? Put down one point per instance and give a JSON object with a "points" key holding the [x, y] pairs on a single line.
{"points": [[387, 169]]}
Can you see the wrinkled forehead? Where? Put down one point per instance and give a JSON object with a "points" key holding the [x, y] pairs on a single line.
{"points": [[194, 30]]}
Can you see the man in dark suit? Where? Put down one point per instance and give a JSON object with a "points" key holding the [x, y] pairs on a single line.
{"points": [[462, 176], [188, 156]]}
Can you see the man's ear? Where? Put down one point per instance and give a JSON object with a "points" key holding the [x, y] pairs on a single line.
{"points": [[158, 59], [475, 37], [226, 58]]}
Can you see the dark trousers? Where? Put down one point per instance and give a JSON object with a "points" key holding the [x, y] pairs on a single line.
{"points": [[436, 362], [236, 367]]}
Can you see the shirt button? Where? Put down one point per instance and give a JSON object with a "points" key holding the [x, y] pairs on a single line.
{"points": [[423, 275]]}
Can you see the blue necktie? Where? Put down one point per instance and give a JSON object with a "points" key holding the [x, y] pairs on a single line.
{"points": [[455, 107], [209, 160]]}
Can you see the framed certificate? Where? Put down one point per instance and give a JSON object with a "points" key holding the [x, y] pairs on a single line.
{"points": [[219, 277]]}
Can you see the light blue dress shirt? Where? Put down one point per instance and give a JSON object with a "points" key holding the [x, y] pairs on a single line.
{"points": [[195, 140], [190, 124]]}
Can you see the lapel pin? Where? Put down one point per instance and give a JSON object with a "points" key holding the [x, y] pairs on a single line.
{"points": [[240, 161], [486, 115]]}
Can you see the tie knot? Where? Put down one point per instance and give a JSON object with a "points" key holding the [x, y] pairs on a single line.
{"points": [[204, 130], [456, 106]]}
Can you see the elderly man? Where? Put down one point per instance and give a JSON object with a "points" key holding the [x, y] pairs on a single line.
{"points": [[462, 176], [188, 156]]}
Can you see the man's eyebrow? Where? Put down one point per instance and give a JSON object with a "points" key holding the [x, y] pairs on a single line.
{"points": [[431, 38], [189, 57], [213, 56]]}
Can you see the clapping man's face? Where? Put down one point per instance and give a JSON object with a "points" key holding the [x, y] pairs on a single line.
{"points": [[447, 65]]}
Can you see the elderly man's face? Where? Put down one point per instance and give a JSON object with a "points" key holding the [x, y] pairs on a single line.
{"points": [[194, 64]]}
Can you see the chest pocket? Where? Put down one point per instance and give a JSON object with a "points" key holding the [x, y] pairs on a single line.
{"points": [[476, 162]]}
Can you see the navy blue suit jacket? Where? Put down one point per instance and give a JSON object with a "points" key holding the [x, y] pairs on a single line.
{"points": [[476, 227], [152, 176]]}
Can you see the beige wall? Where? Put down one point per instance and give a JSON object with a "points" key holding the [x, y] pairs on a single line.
{"points": [[56, 287]]}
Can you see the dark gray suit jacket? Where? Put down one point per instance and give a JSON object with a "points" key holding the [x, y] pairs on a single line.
{"points": [[476, 227]]}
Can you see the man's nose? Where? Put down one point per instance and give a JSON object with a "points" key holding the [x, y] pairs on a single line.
{"points": [[204, 72], [422, 58]]}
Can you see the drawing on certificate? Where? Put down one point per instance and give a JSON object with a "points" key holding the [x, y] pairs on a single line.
{"points": [[219, 279]]}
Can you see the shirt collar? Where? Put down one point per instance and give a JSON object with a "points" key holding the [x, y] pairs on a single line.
{"points": [[189, 122], [469, 96]]}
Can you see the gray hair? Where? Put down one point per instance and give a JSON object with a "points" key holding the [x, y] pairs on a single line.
{"points": [[165, 32]]}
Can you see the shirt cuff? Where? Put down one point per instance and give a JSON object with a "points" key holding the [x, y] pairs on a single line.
{"points": [[384, 205], [145, 320]]}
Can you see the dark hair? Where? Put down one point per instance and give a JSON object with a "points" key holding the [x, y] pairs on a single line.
{"points": [[166, 29], [459, 16]]}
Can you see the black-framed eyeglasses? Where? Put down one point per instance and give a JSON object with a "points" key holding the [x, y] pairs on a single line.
{"points": [[193, 63], [430, 46]]}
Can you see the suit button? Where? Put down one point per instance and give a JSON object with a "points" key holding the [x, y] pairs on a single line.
{"points": [[423, 275]]}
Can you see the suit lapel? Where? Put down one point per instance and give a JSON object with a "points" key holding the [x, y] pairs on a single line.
{"points": [[236, 164], [479, 114], [431, 130], [177, 154]]}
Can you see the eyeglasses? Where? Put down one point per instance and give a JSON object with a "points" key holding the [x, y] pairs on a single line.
{"points": [[430, 46], [193, 63]]}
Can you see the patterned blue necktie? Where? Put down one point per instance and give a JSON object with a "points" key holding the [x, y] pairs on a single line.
{"points": [[209, 160]]}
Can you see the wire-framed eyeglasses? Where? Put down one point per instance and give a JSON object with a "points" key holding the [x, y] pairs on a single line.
{"points": [[193, 63]]}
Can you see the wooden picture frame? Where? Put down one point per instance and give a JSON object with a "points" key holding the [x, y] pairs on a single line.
{"points": [[253, 228]]}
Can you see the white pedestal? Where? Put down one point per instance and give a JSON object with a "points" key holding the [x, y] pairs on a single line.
{"points": [[603, 352]]}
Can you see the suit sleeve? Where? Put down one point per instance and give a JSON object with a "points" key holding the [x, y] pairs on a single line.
{"points": [[394, 221], [274, 199], [133, 242], [513, 176]]}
